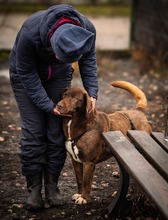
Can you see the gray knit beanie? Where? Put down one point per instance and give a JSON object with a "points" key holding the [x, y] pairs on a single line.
{"points": [[69, 42]]}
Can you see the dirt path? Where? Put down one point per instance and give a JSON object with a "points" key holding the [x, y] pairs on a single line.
{"points": [[12, 184]]}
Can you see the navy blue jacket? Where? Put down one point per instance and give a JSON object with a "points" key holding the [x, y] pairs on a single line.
{"points": [[31, 59]]}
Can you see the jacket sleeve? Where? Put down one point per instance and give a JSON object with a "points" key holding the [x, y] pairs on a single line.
{"points": [[88, 71], [26, 59]]}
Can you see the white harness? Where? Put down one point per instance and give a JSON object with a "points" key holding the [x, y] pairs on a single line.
{"points": [[71, 146]]}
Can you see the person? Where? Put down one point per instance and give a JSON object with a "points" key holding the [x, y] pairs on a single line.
{"points": [[41, 60]]}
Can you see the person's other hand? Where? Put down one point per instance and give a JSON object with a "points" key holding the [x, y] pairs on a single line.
{"points": [[93, 101]]}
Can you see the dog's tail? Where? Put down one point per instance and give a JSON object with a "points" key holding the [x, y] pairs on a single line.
{"points": [[135, 91]]}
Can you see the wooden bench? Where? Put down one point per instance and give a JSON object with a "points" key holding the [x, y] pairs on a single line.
{"points": [[145, 158]]}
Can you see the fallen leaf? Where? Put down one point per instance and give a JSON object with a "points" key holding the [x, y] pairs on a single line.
{"points": [[1, 139]]}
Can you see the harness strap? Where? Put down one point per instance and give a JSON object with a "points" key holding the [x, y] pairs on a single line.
{"points": [[72, 145], [127, 117], [75, 140]]}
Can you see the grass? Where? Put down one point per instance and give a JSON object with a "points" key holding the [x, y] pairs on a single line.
{"points": [[105, 10], [88, 10], [4, 55]]}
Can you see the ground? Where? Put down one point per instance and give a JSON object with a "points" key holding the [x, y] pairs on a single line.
{"points": [[105, 184]]}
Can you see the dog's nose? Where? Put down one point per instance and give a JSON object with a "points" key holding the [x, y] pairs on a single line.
{"points": [[59, 106]]}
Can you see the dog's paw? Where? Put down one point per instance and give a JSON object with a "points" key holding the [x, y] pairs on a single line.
{"points": [[80, 201], [76, 196]]}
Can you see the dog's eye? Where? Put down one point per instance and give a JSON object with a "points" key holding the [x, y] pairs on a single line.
{"points": [[79, 103], [75, 99], [65, 94]]}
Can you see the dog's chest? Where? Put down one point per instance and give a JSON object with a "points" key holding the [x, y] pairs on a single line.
{"points": [[71, 146]]}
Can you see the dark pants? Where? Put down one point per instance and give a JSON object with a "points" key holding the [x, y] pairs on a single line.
{"points": [[42, 140]]}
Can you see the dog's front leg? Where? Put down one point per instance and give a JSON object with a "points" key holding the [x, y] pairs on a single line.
{"points": [[88, 170], [78, 167]]}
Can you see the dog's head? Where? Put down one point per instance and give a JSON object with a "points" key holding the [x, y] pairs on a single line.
{"points": [[74, 100]]}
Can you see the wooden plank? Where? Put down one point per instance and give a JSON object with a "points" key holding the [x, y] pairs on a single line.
{"points": [[152, 151], [149, 179], [159, 138]]}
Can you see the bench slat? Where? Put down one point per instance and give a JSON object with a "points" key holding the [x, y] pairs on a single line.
{"points": [[159, 138], [153, 152], [149, 179]]}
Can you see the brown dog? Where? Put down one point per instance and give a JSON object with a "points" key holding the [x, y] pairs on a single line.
{"points": [[83, 129]]}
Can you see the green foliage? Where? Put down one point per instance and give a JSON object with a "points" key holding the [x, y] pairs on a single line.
{"points": [[20, 8], [4, 55], [104, 10], [88, 10]]}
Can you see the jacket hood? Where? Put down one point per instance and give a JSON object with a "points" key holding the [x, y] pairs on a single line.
{"points": [[52, 15]]}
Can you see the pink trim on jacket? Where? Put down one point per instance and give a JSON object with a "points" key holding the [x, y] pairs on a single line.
{"points": [[60, 22], [49, 72]]}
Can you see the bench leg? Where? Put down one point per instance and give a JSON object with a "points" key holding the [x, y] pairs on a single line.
{"points": [[120, 203]]}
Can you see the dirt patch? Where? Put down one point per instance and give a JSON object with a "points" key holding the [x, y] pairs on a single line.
{"points": [[12, 183]]}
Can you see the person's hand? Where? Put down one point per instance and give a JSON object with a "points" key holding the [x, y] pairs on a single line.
{"points": [[93, 102], [55, 111]]}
